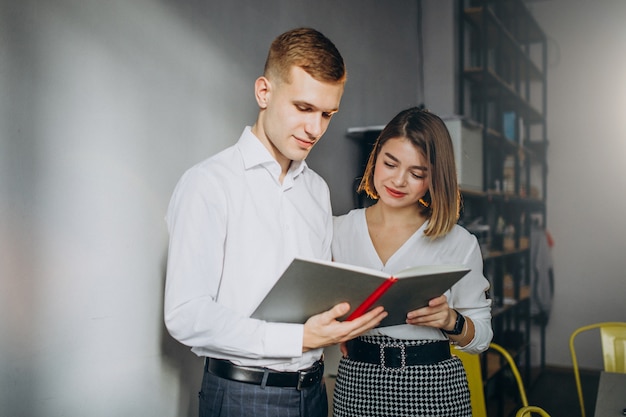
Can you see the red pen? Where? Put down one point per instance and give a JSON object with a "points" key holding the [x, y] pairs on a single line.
{"points": [[373, 297]]}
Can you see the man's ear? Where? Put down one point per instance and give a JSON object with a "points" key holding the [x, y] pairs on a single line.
{"points": [[262, 91]]}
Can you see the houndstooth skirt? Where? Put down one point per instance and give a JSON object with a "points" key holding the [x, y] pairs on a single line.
{"points": [[368, 390]]}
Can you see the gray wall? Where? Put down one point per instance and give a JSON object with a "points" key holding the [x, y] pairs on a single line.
{"points": [[103, 105]]}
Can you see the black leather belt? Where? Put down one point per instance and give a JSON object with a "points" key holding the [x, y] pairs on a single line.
{"points": [[398, 355], [264, 376]]}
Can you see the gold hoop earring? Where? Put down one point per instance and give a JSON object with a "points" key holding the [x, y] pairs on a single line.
{"points": [[423, 202]]}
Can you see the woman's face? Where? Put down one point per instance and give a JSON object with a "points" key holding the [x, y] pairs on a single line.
{"points": [[400, 173]]}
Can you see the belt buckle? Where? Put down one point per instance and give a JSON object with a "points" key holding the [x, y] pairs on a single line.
{"points": [[402, 348], [310, 373], [301, 376]]}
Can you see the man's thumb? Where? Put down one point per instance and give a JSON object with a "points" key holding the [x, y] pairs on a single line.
{"points": [[340, 309]]}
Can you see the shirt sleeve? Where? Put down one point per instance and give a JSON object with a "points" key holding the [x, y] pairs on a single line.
{"points": [[197, 225], [469, 297]]}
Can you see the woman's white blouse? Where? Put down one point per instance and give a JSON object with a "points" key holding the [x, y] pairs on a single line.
{"points": [[353, 245]]}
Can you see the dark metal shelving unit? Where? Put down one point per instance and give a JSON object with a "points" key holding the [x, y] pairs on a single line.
{"points": [[502, 71]]}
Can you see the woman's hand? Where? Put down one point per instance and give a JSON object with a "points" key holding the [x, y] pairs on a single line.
{"points": [[437, 314]]}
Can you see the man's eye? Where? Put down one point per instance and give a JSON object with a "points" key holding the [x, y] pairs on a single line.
{"points": [[327, 115]]}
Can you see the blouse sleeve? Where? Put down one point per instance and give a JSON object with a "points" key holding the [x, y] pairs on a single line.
{"points": [[469, 297]]}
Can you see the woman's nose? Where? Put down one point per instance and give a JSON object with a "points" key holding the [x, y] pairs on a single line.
{"points": [[399, 178]]}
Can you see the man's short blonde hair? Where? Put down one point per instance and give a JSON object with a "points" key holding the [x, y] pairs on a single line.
{"points": [[308, 49]]}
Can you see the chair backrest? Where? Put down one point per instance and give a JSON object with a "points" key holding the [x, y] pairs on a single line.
{"points": [[613, 346], [473, 369], [613, 342], [471, 363], [514, 370], [529, 410]]}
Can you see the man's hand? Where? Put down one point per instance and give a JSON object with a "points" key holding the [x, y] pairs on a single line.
{"points": [[324, 329]]}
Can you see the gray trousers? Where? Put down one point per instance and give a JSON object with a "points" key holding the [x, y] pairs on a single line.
{"points": [[225, 398]]}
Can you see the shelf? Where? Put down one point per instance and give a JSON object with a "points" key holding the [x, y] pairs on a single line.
{"points": [[524, 27], [492, 254], [502, 86], [515, 16], [495, 363], [365, 132], [506, 299], [489, 86], [498, 196], [484, 17], [537, 149], [497, 139], [500, 310]]}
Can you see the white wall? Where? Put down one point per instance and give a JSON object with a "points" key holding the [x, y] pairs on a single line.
{"points": [[587, 172], [103, 105]]}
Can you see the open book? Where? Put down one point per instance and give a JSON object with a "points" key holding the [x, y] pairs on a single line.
{"points": [[308, 287]]}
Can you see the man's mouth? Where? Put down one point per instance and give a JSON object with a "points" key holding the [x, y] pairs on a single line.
{"points": [[305, 143]]}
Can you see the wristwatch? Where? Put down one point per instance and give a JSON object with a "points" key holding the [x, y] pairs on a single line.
{"points": [[458, 325]]}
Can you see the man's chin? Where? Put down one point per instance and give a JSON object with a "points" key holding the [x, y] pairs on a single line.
{"points": [[299, 155]]}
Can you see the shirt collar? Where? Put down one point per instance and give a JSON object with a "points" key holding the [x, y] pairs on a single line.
{"points": [[254, 153]]}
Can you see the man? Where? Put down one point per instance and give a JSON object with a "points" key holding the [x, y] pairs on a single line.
{"points": [[236, 220]]}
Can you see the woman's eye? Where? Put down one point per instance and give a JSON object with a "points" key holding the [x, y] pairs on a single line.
{"points": [[389, 164]]}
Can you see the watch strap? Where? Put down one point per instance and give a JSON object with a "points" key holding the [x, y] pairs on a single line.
{"points": [[458, 325]]}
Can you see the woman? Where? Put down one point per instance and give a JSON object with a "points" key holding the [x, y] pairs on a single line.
{"points": [[407, 370]]}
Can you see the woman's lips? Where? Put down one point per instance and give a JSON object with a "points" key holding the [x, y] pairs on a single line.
{"points": [[394, 193]]}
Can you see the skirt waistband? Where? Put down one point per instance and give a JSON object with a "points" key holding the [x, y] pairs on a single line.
{"points": [[398, 355]]}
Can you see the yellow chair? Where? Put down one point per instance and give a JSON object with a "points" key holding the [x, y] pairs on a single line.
{"points": [[473, 369], [613, 341], [529, 409]]}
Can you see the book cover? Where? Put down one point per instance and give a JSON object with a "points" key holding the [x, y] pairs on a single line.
{"points": [[308, 287]]}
